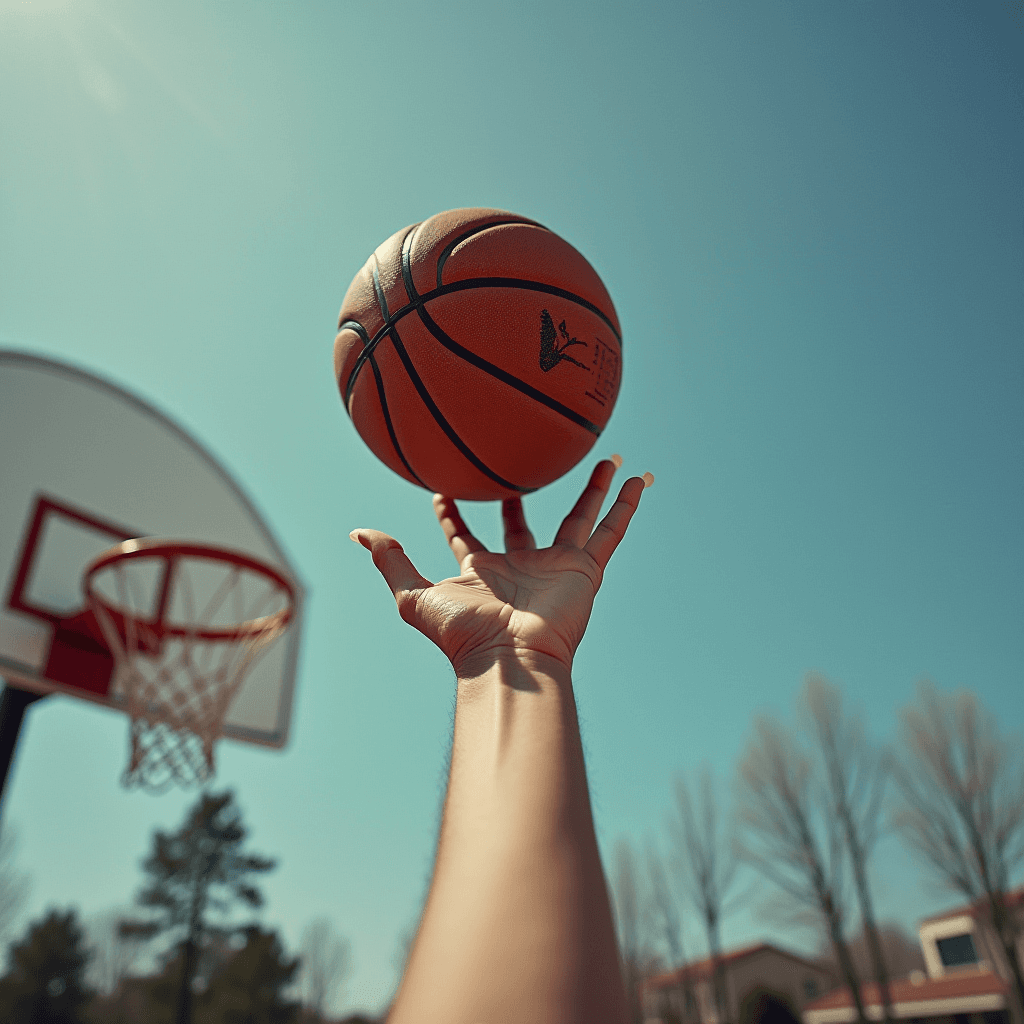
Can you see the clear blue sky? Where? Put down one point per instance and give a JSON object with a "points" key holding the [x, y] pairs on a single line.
{"points": [[810, 217]]}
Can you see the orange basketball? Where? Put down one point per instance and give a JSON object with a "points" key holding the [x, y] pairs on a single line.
{"points": [[478, 354]]}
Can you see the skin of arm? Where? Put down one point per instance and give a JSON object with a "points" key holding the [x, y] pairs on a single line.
{"points": [[517, 925]]}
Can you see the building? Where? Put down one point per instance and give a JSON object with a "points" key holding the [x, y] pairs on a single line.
{"points": [[975, 996], [686, 995], [968, 977], [963, 938]]}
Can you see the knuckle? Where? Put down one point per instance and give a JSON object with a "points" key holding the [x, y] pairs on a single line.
{"points": [[381, 551]]}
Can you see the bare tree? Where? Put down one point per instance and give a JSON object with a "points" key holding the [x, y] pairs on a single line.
{"points": [[667, 923], [791, 837], [626, 900], [662, 909], [902, 952], [631, 901], [961, 807], [706, 863], [326, 960], [14, 884], [856, 783]]}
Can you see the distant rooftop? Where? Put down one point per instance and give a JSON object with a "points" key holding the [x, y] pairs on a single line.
{"points": [[701, 969], [963, 992]]}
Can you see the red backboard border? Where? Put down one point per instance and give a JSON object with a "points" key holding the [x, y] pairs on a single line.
{"points": [[47, 506], [78, 657]]}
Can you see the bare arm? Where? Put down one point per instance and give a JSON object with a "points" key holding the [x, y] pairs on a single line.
{"points": [[517, 925]]}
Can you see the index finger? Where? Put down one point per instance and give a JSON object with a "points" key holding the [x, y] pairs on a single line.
{"points": [[610, 531], [456, 532]]}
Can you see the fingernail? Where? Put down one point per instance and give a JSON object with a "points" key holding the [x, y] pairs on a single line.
{"points": [[617, 459], [354, 537], [648, 479]]}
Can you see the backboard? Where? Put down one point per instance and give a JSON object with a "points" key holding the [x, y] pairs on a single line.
{"points": [[85, 465]]}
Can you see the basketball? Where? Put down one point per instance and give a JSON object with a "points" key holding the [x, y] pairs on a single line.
{"points": [[478, 354]]}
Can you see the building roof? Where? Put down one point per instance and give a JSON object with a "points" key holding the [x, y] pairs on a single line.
{"points": [[701, 969], [1015, 897], [964, 991]]}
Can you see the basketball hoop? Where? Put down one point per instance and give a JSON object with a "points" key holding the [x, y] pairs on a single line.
{"points": [[184, 623]]}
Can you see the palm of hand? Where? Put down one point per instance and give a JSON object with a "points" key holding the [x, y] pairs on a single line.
{"points": [[528, 600], [523, 601]]}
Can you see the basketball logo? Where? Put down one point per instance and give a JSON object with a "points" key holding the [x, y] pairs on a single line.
{"points": [[550, 352]]}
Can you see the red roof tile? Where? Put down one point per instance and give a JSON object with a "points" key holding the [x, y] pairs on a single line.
{"points": [[953, 986], [700, 969]]}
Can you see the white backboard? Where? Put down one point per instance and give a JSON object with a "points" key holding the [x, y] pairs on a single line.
{"points": [[84, 465]]}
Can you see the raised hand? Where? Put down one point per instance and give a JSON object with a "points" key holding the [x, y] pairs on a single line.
{"points": [[525, 601]]}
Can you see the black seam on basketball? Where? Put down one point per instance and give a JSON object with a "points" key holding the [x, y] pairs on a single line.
{"points": [[451, 246], [428, 399], [476, 282], [355, 325], [358, 328], [482, 364], [410, 287], [387, 419], [381, 301], [516, 282], [442, 422]]}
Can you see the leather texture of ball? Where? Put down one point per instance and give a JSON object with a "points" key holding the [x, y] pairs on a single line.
{"points": [[478, 354]]}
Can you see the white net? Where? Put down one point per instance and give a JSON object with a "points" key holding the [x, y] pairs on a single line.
{"points": [[184, 630]]}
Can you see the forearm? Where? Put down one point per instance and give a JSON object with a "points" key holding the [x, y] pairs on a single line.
{"points": [[517, 925]]}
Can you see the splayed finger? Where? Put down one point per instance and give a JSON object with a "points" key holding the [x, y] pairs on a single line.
{"points": [[457, 533], [610, 531], [577, 525]]}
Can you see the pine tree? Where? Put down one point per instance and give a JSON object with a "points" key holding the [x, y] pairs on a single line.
{"points": [[195, 874], [249, 987], [46, 982]]}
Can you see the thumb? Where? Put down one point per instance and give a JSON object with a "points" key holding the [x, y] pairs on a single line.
{"points": [[398, 571]]}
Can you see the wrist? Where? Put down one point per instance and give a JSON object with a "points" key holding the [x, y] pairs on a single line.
{"points": [[512, 666]]}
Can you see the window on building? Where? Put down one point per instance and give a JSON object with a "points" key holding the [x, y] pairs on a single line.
{"points": [[957, 951], [810, 988]]}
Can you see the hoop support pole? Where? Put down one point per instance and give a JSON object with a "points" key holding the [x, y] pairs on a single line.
{"points": [[13, 703]]}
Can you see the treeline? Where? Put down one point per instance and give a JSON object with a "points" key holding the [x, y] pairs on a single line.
{"points": [[204, 968], [810, 799]]}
